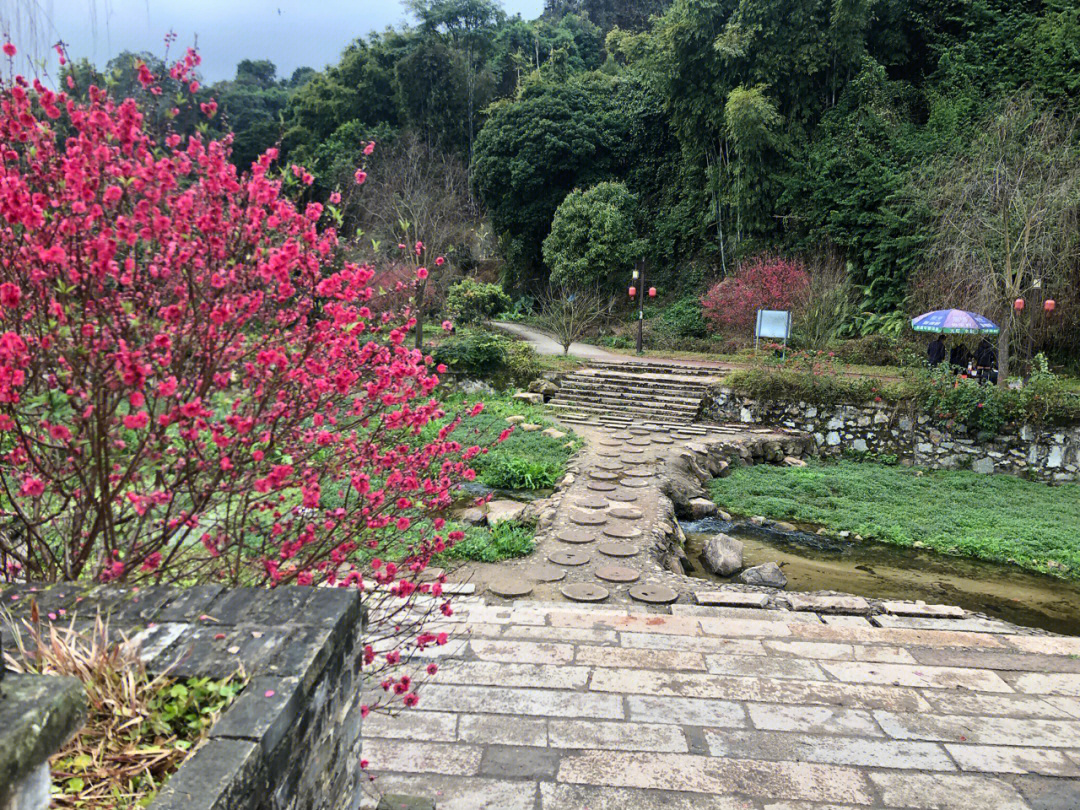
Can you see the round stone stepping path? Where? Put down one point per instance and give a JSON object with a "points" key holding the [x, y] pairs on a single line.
{"points": [[510, 587], [610, 452], [617, 549], [635, 482], [611, 442], [625, 497], [569, 557], [622, 532], [622, 434], [600, 486], [626, 512], [653, 593], [661, 439], [617, 573], [642, 442], [591, 518], [608, 465], [576, 536], [546, 573], [634, 460], [591, 502], [636, 452], [585, 592], [603, 475], [639, 472]]}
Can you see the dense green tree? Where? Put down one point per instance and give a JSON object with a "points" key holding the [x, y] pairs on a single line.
{"points": [[594, 238], [532, 151]]}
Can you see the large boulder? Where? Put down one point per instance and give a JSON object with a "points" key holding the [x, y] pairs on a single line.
{"points": [[723, 555], [532, 399], [498, 511], [546, 388], [768, 575], [701, 508]]}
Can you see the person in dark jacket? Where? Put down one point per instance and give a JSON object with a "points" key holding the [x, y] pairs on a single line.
{"points": [[986, 360], [935, 352], [959, 356]]}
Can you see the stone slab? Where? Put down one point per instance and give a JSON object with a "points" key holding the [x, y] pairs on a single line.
{"points": [[897, 608], [828, 604], [732, 599]]}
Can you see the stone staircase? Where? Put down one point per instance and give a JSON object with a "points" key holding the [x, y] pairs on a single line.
{"points": [[621, 393]]}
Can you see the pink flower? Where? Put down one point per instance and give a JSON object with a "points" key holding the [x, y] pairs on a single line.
{"points": [[360, 177], [447, 325], [9, 49], [369, 148], [440, 261], [422, 273], [60, 433], [32, 487], [10, 295], [136, 421], [335, 197]]}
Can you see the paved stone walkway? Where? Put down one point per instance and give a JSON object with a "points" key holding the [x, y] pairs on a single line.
{"points": [[542, 706]]}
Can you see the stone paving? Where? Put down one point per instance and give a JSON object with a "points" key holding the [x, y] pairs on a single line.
{"points": [[555, 706], [610, 526]]}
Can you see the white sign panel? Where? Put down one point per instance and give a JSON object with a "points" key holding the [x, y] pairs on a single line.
{"points": [[773, 323]]}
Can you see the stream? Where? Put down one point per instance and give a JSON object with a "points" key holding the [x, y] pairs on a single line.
{"points": [[814, 562]]}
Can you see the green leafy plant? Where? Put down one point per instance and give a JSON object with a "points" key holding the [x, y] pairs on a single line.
{"points": [[470, 301], [518, 472], [504, 541]]}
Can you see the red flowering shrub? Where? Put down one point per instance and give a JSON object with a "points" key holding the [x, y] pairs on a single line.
{"points": [[763, 282], [192, 384]]}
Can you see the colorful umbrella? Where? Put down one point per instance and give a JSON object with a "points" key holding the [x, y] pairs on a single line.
{"points": [[955, 322]]}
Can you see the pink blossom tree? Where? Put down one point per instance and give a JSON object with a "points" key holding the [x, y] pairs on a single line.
{"points": [[193, 385], [762, 282]]}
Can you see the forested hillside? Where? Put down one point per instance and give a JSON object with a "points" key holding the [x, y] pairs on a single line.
{"points": [[868, 138]]}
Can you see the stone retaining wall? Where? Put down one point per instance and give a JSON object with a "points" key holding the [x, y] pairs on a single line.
{"points": [[292, 738], [1047, 453]]}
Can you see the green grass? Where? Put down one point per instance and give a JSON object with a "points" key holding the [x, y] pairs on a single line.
{"points": [[999, 517], [525, 461], [503, 542]]}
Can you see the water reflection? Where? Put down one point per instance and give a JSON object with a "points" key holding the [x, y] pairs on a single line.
{"points": [[814, 562]]}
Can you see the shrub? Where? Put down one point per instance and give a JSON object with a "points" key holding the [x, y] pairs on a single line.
{"points": [[764, 282], [504, 541], [471, 301], [522, 363], [518, 472], [872, 350], [684, 318], [186, 367], [474, 353]]}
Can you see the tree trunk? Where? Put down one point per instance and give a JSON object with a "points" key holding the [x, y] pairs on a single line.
{"points": [[419, 331], [1003, 355]]}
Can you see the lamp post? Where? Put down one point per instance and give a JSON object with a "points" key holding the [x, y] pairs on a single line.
{"points": [[639, 276]]}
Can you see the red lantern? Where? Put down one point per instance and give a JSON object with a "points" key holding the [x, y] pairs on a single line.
{"points": [[633, 291], [1049, 305], [652, 292], [1018, 304]]}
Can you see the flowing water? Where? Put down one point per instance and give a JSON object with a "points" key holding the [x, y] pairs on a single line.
{"points": [[813, 562]]}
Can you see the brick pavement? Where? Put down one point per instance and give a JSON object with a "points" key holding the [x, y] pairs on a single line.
{"points": [[546, 706]]}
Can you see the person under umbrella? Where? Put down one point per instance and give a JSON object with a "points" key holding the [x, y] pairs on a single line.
{"points": [[959, 356], [935, 352], [986, 360]]}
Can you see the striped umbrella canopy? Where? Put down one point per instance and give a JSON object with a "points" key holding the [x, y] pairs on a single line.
{"points": [[955, 322]]}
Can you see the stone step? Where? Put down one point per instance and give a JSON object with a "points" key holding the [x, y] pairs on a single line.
{"points": [[650, 413], [618, 400], [655, 367], [675, 392], [637, 379]]}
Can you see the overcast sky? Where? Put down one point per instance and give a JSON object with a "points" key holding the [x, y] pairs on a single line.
{"points": [[290, 33]]}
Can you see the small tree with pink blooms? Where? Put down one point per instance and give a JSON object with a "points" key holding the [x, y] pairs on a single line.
{"points": [[193, 386], [762, 282]]}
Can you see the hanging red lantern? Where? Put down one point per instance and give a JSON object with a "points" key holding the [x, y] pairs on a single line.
{"points": [[1050, 305], [1018, 304], [652, 292], [633, 291]]}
